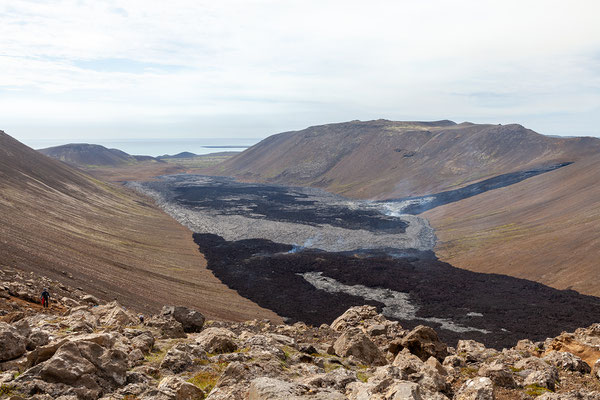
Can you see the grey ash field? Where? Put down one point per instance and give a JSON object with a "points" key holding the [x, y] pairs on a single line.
{"points": [[309, 255]]}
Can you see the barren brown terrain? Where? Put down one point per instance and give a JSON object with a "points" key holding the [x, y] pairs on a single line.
{"points": [[141, 171], [387, 159], [546, 229], [113, 243]]}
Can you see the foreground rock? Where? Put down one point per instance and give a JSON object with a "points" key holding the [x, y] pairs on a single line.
{"points": [[12, 344], [88, 351]]}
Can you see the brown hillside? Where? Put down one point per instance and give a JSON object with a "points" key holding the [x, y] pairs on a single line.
{"points": [[84, 154], [113, 165], [62, 223], [386, 159], [546, 228]]}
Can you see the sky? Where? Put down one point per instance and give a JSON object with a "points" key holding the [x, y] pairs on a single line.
{"points": [[85, 71]]}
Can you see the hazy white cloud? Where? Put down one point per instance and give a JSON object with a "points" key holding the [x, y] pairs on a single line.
{"points": [[255, 67]]}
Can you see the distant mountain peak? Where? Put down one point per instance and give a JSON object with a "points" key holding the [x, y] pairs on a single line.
{"points": [[86, 154]]}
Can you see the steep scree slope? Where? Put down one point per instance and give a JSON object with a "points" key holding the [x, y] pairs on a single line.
{"points": [[546, 228], [64, 224]]}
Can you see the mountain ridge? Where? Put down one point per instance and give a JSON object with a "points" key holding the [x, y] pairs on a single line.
{"points": [[411, 157], [79, 154]]}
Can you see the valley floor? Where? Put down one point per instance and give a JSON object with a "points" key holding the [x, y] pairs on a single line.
{"points": [[309, 255]]}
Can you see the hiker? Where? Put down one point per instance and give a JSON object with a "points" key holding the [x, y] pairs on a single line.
{"points": [[141, 317], [45, 298]]}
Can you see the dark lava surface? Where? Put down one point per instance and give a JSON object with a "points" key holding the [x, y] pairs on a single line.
{"points": [[512, 308], [280, 203], [500, 181]]}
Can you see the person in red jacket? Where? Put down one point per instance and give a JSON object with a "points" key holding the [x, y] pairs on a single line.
{"points": [[45, 298]]}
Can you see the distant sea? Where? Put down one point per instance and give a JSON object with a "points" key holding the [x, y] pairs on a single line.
{"points": [[158, 147]]}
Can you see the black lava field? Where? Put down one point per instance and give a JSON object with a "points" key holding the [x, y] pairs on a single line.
{"points": [[421, 204], [280, 203], [509, 308]]}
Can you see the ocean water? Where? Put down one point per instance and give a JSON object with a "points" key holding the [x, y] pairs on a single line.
{"points": [[159, 147]]}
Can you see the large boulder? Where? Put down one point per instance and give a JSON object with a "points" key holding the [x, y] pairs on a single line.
{"points": [[12, 344], [337, 379], [354, 317], [43, 353], [191, 320], [476, 389], [430, 375], [113, 314], [543, 378], [182, 357], [67, 365], [217, 340], [168, 327], [369, 322], [474, 352], [572, 395], [356, 344], [144, 342], [274, 389], [567, 361], [411, 379], [423, 342], [37, 338], [408, 363], [81, 319], [537, 372], [180, 389], [404, 390], [499, 373], [88, 368]]}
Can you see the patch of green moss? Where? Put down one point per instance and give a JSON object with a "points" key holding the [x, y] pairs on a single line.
{"points": [[329, 366], [535, 390], [7, 390], [207, 379], [469, 371], [288, 351], [362, 376], [244, 350], [156, 355]]}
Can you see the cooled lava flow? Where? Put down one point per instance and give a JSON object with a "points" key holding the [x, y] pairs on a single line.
{"points": [[315, 286]]}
